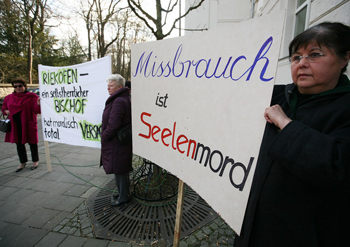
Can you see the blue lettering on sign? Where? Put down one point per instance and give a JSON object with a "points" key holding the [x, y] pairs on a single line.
{"points": [[149, 66]]}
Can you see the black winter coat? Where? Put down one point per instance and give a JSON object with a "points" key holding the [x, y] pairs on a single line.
{"points": [[300, 194], [116, 158]]}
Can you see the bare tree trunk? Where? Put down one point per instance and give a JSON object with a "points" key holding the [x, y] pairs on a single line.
{"points": [[89, 46], [33, 12], [30, 57], [123, 46], [88, 28]]}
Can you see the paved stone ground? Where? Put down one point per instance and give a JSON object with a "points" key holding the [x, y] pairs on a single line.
{"points": [[216, 233], [77, 223]]}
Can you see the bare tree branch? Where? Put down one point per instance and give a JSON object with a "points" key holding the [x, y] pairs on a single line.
{"points": [[185, 14], [157, 25], [137, 6]]}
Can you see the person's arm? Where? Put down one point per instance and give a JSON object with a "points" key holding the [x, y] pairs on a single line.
{"points": [[115, 120], [321, 159]]}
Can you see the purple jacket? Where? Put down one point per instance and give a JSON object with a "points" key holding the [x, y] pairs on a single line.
{"points": [[26, 105], [116, 158]]}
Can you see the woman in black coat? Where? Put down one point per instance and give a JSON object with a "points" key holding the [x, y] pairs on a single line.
{"points": [[116, 158], [300, 194]]}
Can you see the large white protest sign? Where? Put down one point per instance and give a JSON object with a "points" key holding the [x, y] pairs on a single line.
{"points": [[72, 101], [198, 104]]}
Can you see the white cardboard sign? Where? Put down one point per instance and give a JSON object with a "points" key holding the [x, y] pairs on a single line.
{"points": [[198, 104], [72, 102]]}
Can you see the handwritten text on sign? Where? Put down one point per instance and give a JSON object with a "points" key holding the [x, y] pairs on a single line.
{"points": [[73, 101], [203, 67]]}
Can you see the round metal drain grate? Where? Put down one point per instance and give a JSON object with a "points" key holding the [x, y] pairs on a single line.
{"points": [[145, 222]]}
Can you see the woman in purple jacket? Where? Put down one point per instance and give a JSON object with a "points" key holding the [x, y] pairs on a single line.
{"points": [[116, 157]]}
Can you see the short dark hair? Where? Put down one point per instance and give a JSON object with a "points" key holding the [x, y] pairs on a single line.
{"points": [[19, 80], [333, 35], [128, 84]]}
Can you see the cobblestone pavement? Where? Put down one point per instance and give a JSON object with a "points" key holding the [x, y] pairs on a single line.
{"points": [[77, 223], [216, 233]]}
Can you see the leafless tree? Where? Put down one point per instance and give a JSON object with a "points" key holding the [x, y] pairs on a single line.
{"points": [[156, 24], [87, 15], [131, 31], [104, 15], [112, 28], [33, 12], [98, 15]]}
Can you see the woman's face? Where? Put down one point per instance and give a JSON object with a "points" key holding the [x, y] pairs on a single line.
{"points": [[112, 87], [18, 87], [319, 75]]}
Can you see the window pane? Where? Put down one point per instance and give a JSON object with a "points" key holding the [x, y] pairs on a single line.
{"points": [[300, 2], [300, 22]]}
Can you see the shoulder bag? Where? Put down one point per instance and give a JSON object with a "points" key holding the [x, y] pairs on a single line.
{"points": [[5, 125]]}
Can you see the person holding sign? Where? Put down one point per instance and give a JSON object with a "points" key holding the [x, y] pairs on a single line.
{"points": [[22, 108], [300, 194], [116, 157]]}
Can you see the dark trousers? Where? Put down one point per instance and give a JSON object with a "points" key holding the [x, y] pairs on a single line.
{"points": [[123, 185], [21, 148], [22, 152]]}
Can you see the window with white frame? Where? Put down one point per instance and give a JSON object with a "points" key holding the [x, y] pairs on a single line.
{"points": [[297, 20], [302, 14]]}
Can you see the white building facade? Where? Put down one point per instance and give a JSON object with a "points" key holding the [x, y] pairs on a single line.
{"points": [[301, 14]]}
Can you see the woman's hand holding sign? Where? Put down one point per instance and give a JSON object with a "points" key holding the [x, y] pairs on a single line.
{"points": [[275, 115]]}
